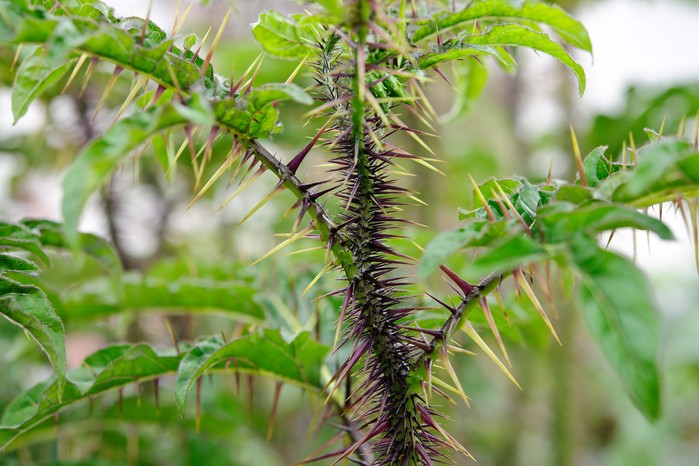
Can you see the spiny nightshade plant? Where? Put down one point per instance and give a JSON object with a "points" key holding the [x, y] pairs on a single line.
{"points": [[370, 60]]}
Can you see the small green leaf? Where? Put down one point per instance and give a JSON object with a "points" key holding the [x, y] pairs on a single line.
{"points": [[616, 305], [264, 353], [28, 307], [597, 168], [17, 236], [521, 36], [33, 77], [283, 37], [473, 234], [10, 263], [573, 194], [528, 10]]}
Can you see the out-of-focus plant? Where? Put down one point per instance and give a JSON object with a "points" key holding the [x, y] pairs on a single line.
{"points": [[395, 348]]}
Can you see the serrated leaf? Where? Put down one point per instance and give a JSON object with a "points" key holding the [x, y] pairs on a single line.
{"points": [[17, 236], [565, 221], [473, 234], [456, 51], [282, 36], [266, 353], [521, 36], [529, 10], [597, 168], [10, 263], [617, 307], [34, 76], [28, 307]]}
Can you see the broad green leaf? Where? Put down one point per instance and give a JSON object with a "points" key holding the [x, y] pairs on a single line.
{"points": [[265, 353], [10, 263], [276, 92], [28, 307], [653, 162], [110, 368], [521, 36], [35, 75], [515, 252], [617, 307], [528, 10], [284, 37], [474, 234], [52, 235], [564, 221], [98, 160], [573, 194], [99, 299]]}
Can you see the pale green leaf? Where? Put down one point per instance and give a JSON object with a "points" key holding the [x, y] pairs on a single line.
{"points": [[282, 36]]}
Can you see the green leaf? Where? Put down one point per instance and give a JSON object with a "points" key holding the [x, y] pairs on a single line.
{"points": [[28, 307], [514, 252], [522, 36], [283, 37], [573, 194], [564, 221], [474, 234], [150, 293], [617, 307], [266, 353], [107, 369], [98, 160], [10, 263], [52, 235], [596, 167], [33, 77], [653, 162], [17, 236], [455, 51], [276, 92], [529, 10]]}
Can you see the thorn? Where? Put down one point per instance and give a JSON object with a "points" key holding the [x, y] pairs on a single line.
{"points": [[16, 58], [259, 205], [177, 26], [215, 43], [611, 235], [72, 76], [88, 75], [277, 393], [494, 329], [471, 332], [317, 277], [444, 358], [134, 90], [296, 161], [524, 284], [121, 403], [695, 230], [548, 175], [242, 187], [107, 91], [145, 22], [156, 393], [681, 127], [481, 198], [578, 157], [662, 127], [197, 418], [172, 335], [251, 395], [285, 243], [293, 74]]}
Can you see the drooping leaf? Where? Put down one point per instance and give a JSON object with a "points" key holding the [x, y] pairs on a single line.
{"points": [[28, 307], [265, 353], [617, 307], [521, 36], [283, 37], [529, 10], [564, 221]]}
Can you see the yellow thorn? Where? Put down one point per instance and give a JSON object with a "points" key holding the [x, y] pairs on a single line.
{"points": [[260, 204], [530, 293], [224, 166], [495, 331], [681, 127], [303, 251], [293, 74], [214, 44], [317, 277], [240, 189], [578, 157], [428, 165], [105, 94], [417, 139], [16, 58], [471, 332], [140, 82], [285, 243], [444, 358], [695, 230], [662, 127], [481, 198], [76, 69], [441, 383], [177, 27]]}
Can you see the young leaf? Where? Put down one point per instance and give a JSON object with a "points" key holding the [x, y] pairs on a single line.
{"points": [[283, 37], [264, 353], [617, 307]]}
